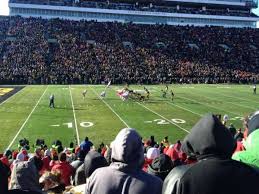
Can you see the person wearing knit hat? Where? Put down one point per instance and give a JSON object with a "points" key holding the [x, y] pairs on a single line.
{"points": [[250, 155], [160, 166], [152, 153], [215, 172]]}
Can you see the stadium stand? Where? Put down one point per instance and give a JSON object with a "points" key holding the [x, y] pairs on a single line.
{"points": [[34, 50]]}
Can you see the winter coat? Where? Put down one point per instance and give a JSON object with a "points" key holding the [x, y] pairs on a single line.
{"points": [[66, 171], [25, 176], [93, 160], [250, 155], [124, 175], [215, 172]]}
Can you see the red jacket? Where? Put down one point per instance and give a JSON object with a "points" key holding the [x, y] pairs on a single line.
{"points": [[46, 166], [66, 171]]}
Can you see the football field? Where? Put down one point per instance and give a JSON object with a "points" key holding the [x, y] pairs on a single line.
{"points": [[26, 114]]}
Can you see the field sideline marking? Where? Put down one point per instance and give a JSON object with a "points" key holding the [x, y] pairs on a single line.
{"points": [[27, 119], [77, 134], [163, 117], [110, 108], [10, 97]]}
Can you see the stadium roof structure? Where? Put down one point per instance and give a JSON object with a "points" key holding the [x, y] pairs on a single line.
{"points": [[227, 13]]}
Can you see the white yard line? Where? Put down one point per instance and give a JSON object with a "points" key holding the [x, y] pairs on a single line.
{"points": [[231, 102], [110, 108], [209, 106], [27, 119], [184, 109], [163, 117], [10, 97], [72, 102]]}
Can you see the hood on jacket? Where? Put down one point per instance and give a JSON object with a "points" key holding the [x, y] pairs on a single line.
{"points": [[252, 141], [253, 122], [250, 155], [25, 176], [93, 160], [161, 166], [127, 150], [209, 137]]}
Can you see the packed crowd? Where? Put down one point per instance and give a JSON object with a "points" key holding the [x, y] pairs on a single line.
{"points": [[61, 51], [150, 6], [212, 159]]}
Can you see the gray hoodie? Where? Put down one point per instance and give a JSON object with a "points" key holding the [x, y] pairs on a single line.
{"points": [[25, 176], [124, 175]]}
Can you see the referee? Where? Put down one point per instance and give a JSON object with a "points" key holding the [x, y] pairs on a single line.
{"points": [[51, 101]]}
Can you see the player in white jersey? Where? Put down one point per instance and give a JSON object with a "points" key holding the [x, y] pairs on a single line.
{"points": [[103, 94], [254, 89], [84, 93]]}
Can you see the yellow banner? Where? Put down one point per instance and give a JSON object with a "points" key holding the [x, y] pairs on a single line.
{"points": [[4, 91]]}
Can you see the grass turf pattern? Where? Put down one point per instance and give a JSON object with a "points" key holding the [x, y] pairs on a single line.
{"points": [[27, 114]]}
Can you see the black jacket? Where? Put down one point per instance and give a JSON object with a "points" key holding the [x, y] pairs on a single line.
{"points": [[215, 172]]}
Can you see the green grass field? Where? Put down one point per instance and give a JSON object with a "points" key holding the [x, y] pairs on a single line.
{"points": [[26, 114]]}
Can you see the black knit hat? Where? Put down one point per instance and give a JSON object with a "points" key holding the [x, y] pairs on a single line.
{"points": [[161, 166], [253, 122]]}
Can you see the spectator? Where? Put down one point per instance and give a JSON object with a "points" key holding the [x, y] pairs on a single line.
{"points": [[239, 135], [124, 175], [250, 155], [64, 168], [4, 173], [152, 154], [86, 145], [25, 175], [216, 172], [93, 160], [152, 141], [160, 166], [52, 183]]}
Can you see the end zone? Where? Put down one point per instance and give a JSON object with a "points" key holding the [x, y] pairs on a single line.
{"points": [[8, 91]]}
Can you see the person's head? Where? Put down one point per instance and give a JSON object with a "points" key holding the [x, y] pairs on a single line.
{"points": [[62, 157], [37, 162], [253, 122], [152, 138], [50, 180], [209, 137], [86, 138], [8, 154], [152, 153], [161, 166], [127, 149], [93, 160], [71, 145]]}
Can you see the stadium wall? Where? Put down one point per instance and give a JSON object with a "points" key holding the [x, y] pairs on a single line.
{"points": [[144, 17]]}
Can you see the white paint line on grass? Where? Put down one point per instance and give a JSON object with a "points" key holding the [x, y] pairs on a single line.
{"points": [[163, 117], [110, 108], [209, 105], [27, 119], [10, 97], [73, 107], [229, 96], [184, 108]]}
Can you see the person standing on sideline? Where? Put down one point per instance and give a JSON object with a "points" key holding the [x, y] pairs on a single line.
{"points": [[51, 101], [254, 88]]}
